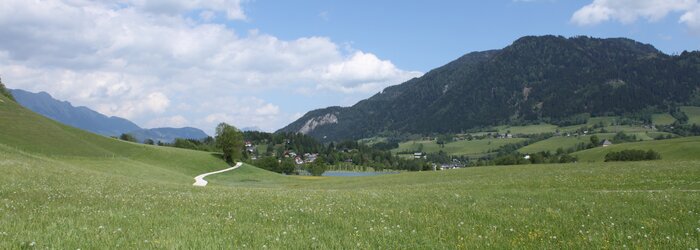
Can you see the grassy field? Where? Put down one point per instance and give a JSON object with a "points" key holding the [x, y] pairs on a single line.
{"points": [[693, 114], [687, 148], [464, 147], [530, 129], [59, 194], [564, 142], [663, 119]]}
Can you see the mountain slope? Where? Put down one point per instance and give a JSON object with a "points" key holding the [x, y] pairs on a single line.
{"points": [[90, 120], [79, 117], [25, 132], [168, 134], [535, 79]]}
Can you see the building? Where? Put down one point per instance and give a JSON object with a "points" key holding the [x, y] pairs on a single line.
{"points": [[606, 143], [417, 155]]}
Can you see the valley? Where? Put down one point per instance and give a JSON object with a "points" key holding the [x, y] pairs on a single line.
{"points": [[550, 142], [126, 195]]}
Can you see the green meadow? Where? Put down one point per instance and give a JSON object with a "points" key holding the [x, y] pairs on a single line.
{"points": [[474, 148], [693, 114], [67, 189], [686, 148]]}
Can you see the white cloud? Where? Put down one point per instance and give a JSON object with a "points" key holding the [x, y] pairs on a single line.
{"points": [[692, 19], [362, 72], [241, 112], [143, 59], [629, 11], [171, 121]]}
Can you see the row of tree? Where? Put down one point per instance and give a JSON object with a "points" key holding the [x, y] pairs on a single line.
{"points": [[632, 155]]}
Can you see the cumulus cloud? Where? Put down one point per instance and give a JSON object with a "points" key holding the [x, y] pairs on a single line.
{"points": [[629, 11], [169, 121], [362, 72], [149, 60]]}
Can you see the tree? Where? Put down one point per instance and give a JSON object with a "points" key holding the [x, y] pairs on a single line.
{"points": [[268, 163], [230, 140], [149, 141], [4, 91], [127, 137], [287, 166], [595, 141], [318, 167]]}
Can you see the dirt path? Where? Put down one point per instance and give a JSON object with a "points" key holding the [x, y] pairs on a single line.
{"points": [[200, 182]]}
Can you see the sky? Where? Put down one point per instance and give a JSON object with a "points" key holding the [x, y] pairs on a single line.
{"points": [[265, 63]]}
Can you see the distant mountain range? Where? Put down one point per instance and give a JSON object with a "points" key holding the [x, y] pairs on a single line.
{"points": [[536, 79], [247, 129], [90, 120]]}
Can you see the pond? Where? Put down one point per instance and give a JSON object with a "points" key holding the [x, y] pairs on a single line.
{"points": [[354, 174]]}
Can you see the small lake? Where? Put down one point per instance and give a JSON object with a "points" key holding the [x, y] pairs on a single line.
{"points": [[354, 174]]}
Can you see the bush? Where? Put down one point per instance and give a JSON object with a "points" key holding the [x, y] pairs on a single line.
{"points": [[4, 91], [632, 155], [317, 168], [268, 163], [127, 137]]}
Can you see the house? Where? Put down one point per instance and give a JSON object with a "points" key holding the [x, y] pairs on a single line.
{"points": [[526, 157], [298, 160], [309, 158], [417, 155], [606, 143]]}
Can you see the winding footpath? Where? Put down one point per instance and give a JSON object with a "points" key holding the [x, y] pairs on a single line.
{"points": [[200, 182]]}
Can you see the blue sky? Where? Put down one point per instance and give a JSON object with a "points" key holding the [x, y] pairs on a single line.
{"points": [[422, 35], [265, 63]]}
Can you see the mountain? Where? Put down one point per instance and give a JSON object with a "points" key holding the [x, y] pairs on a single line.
{"points": [[79, 117], [168, 134], [90, 120], [248, 129], [535, 79]]}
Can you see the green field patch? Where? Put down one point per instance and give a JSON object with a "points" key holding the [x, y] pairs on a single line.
{"points": [[693, 114], [527, 130], [662, 119], [563, 142], [474, 148], [680, 149]]}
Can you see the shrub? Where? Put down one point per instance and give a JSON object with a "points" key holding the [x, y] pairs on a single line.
{"points": [[127, 137]]}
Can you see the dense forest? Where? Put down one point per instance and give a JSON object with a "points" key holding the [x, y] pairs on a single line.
{"points": [[536, 79]]}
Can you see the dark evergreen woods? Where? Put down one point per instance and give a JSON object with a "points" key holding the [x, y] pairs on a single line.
{"points": [[550, 79]]}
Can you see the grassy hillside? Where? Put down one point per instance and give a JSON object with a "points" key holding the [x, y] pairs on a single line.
{"points": [[693, 114], [566, 142], [663, 119], [687, 148], [34, 134], [80, 190], [464, 147], [530, 129], [563, 142]]}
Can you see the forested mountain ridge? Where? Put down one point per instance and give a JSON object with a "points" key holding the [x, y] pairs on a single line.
{"points": [[545, 78]]}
